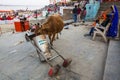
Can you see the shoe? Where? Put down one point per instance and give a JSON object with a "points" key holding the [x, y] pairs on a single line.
{"points": [[83, 21], [75, 25], [66, 28]]}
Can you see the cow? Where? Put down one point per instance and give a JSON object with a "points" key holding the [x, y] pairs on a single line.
{"points": [[53, 25]]}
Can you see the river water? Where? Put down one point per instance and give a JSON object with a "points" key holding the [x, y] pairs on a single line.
{"points": [[19, 7]]}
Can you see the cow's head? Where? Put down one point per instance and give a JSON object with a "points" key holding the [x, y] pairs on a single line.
{"points": [[41, 30]]}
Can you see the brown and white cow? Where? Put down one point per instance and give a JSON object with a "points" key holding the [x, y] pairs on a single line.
{"points": [[53, 25]]}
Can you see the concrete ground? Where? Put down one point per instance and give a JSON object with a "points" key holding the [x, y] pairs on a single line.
{"points": [[19, 60], [7, 28]]}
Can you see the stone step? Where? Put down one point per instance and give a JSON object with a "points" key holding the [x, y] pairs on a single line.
{"points": [[110, 3], [112, 66], [106, 5]]}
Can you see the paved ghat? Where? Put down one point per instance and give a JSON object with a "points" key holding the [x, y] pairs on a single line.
{"points": [[19, 60]]}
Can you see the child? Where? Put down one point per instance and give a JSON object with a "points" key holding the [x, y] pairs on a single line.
{"points": [[92, 29], [84, 14]]}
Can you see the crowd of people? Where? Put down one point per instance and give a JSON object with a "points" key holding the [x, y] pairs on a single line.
{"points": [[5, 16], [79, 12]]}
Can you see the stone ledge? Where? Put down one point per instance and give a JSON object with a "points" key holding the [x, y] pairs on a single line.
{"points": [[112, 71]]}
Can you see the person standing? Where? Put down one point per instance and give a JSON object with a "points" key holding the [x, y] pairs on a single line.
{"points": [[74, 11], [78, 13], [113, 29], [22, 22], [83, 15]]}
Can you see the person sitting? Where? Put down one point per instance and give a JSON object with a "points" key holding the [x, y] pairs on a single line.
{"points": [[103, 15], [92, 28], [107, 18]]}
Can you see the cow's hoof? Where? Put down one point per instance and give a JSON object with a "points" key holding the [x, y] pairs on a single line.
{"points": [[51, 44]]}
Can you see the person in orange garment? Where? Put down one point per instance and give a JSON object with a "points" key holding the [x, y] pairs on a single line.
{"points": [[95, 23], [103, 16], [105, 20]]}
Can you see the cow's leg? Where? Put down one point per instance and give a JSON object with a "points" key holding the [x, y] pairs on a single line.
{"points": [[53, 37], [57, 36]]}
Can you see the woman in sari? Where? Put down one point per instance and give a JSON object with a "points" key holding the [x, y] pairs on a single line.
{"points": [[113, 29]]}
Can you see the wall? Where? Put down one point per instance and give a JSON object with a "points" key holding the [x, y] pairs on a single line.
{"points": [[92, 9], [66, 12]]}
